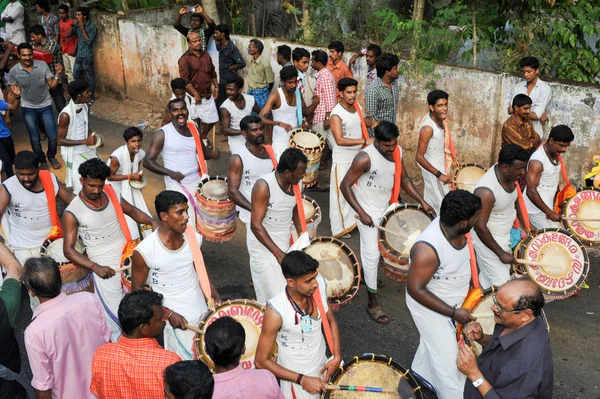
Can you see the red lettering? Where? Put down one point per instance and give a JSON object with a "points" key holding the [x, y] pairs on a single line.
{"points": [[247, 364]]}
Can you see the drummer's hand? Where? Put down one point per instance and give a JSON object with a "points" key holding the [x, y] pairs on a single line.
{"points": [[467, 363], [326, 124], [463, 315], [313, 385], [288, 128], [104, 272], [215, 153], [136, 177], [279, 256], [178, 321], [555, 217], [365, 219], [473, 331], [445, 179], [91, 139], [428, 208], [329, 368], [508, 258], [177, 176]]}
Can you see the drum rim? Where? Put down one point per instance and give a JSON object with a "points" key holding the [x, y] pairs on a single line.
{"points": [[585, 264], [208, 179], [48, 241], [465, 165], [353, 291], [567, 223], [372, 357], [292, 143], [317, 215], [383, 241]]}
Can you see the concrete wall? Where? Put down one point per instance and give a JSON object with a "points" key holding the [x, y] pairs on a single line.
{"points": [[143, 62]]}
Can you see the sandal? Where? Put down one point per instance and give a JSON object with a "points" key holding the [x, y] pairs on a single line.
{"points": [[378, 315], [54, 163]]}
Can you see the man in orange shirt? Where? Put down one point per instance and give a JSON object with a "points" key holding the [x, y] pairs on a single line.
{"points": [[133, 367], [336, 65]]}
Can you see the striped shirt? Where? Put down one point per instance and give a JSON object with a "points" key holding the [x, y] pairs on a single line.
{"points": [[326, 91], [381, 102]]}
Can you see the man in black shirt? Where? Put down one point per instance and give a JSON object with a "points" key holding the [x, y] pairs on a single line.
{"points": [[198, 17], [516, 361], [231, 61]]}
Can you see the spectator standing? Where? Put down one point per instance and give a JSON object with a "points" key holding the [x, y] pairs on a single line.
{"points": [[325, 89], [518, 128], [49, 20], [371, 53], [86, 34], [41, 42], [198, 17], [230, 60], [260, 74], [301, 60], [68, 45], [133, 367], [284, 55], [14, 16], [382, 96], [7, 146], [179, 92], [34, 78], [336, 64], [63, 334]]}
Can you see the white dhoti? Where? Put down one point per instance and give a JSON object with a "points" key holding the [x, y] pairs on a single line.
{"points": [[369, 253], [434, 190], [110, 293], [267, 277], [540, 221], [436, 355], [341, 214], [206, 111], [189, 190], [181, 342], [280, 144], [78, 159], [491, 270]]}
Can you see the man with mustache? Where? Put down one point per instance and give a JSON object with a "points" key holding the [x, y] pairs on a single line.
{"points": [[437, 286], [431, 151], [516, 361], [543, 175]]}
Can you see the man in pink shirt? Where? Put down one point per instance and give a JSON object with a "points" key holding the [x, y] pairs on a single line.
{"points": [[63, 334], [225, 342]]}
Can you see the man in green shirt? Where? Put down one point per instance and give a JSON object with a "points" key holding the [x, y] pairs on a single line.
{"points": [[260, 74], [86, 34]]}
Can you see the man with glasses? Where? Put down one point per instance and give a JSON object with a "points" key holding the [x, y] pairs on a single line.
{"points": [[516, 361]]}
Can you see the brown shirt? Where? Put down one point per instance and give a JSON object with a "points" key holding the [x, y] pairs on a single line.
{"points": [[197, 70], [514, 131]]}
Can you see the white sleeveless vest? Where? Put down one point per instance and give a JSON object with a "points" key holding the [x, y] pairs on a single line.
{"points": [[548, 181], [252, 169]]}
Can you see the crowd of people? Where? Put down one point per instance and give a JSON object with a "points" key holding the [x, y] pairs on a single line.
{"points": [[102, 340]]}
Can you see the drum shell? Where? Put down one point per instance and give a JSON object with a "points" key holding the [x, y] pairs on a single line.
{"points": [[74, 278], [312, 224], [312, 153], [216, 221], [584, 233], [456, 177]]}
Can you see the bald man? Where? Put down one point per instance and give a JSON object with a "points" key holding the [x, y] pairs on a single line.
{"points": [[516, 361]]}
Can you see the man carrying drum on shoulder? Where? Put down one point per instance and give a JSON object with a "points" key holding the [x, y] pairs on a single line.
{"points": [[543, 175], [293, 319], [274, 207], [283, 103], [183, 154], [500, 207], [171, 257], [432, 150], [437, 286], [96, 216], [378, 172]]}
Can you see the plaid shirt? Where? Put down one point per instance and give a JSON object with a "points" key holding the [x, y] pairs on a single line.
{"points": [[53, 47], [84, 47], [50, 25], [228, 56], [380, 102], [130, 368], [326, 90]]}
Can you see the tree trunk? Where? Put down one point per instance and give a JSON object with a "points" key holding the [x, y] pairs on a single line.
{"points": [[418, 10], [252, 23], [125, 5], [210, 6], [305, 20], [474, 34]]}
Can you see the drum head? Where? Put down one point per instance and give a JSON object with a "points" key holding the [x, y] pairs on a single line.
{"points": [[483, 312], [468, 176], [407, 221], [214, 190], [375, 371], [335, 266], [54, 249], [584, 205], [309, 208], [306, 139]]}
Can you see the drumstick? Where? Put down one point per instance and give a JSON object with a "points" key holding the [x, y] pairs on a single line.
{"points": [[194, 329], [359, 388], [582, 219], [387, 230], [214, 143], [534, 263], [123, 268]]}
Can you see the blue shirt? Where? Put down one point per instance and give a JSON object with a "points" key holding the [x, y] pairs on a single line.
{"points": [[4, 132]]}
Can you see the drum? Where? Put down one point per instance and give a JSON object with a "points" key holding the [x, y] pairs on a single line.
{"points": [[216, 220], [249, 314], [375, 371], [74, 277], [339, 267], [408, 220], [312, 214], [311, 144], [565, 262], [584, 205], [467, 175]]}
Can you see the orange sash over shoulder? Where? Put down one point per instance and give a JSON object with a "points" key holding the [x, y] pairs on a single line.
{"points": [[199, 265], [130, 244], [202, 167], [567, 192], [397, 176], [46, 179]]}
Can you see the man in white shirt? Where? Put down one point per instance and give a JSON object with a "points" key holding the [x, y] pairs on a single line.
{"points": [[14, 17], [538, 90], [233, 110]]}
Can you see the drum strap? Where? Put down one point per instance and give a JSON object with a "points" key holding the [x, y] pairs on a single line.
{"points": [[449, 150], [324, 320], [199, 265], [397, 176], [112, 196], [567, 192], [46, 179], [199, 153], [363, 124], [473, 261], [271, 153], [523, 208]]}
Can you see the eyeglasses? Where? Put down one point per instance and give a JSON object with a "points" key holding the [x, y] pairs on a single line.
{"points": [[501, 310]]}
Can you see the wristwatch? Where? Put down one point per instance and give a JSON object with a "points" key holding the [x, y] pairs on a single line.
{"points": [[478, 382], [438, 174]]}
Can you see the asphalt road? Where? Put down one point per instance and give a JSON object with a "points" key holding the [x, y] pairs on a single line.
{"points": [[574, 323]]}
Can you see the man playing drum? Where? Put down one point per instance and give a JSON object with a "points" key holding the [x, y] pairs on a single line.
{"points": [[431, 151], [293, 319], [166, 255], [273, 209], [499, 198], [94, 218], [284, 105], [124, 166], [374, 170], [175, 143], [543, 175], [346, 129], [438, 283]]}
